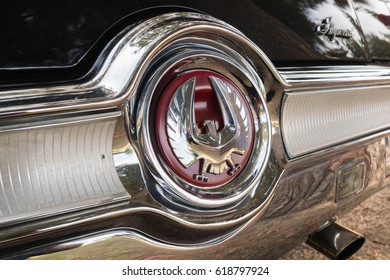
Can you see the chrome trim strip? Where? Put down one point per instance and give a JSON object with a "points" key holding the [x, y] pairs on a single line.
{"points": [[54, 121], [335, 76], [129, 237], [291, 210], [137, 238], [115, 214]]}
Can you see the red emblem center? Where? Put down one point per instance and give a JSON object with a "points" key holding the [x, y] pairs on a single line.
{"points": [[204, 128]]}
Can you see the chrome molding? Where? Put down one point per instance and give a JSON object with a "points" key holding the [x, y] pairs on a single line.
{"points": [[173, 188], [185, 43], [335, 76]]}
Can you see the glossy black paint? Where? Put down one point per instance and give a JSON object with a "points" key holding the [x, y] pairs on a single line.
{"points": [[66, 36]]}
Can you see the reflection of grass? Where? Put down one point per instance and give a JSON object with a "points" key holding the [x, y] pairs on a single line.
{"points": [[121, 248], [130, 177]]}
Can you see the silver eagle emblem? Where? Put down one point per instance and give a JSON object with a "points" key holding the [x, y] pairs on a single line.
{"points": [[214, 148]]}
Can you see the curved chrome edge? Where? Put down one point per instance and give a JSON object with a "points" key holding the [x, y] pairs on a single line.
{"points": [[118, 70], [144, 247], [262, 142], [261, 209], [207, 38], [139, 239], [148, 239], [133, 238]]}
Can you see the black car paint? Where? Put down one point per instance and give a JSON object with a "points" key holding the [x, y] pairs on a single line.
{"points": [[59, 34]]}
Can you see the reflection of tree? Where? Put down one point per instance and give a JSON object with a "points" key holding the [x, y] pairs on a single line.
{"points": [[384, 19], [379, 47], [130, 178], [375, 20]]}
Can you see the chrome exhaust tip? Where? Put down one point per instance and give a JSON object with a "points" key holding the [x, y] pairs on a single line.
{"points": [[336, 242]]}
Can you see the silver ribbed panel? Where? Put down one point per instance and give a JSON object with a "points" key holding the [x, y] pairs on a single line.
{"points": [[312, 120], [387, 161], [57, 169]]}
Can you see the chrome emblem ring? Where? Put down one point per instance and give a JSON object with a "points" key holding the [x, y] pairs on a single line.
{"points": [[201, 123]]}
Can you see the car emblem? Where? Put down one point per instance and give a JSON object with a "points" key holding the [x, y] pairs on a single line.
{"points": [[200, 122], [205, 128], [325, 29]]}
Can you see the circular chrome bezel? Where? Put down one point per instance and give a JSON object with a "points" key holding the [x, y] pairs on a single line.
{"points": [[194, 52]]}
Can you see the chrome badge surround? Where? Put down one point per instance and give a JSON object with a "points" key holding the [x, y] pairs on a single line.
{"points": [[211, 49]]}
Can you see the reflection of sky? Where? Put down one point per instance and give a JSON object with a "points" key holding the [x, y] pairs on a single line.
{"points": [[329, 9], [373, 26], [370, 13], [376, 6], [126, 158]]}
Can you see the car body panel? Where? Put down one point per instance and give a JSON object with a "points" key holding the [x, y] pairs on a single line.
{"points": [[87, 65], [61, 33]]}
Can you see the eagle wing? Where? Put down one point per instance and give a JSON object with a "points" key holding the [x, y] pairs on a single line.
{"points": [[181, 130], [236, 122], [180, 123]]}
